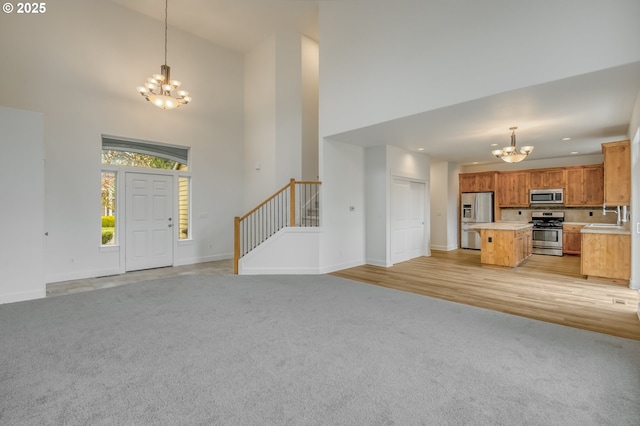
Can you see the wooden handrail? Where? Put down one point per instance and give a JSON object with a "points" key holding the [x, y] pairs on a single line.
{"points": [[291, 186], [266, 201]]}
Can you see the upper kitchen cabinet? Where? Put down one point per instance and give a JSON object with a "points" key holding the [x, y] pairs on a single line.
{"points": [[585, 186], [477, 182], [617, 173], [513, 189], [547, 178]]}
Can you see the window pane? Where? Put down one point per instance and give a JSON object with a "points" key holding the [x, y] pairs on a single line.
{"points": [[135, 159], [183, 208], [108, 208]]}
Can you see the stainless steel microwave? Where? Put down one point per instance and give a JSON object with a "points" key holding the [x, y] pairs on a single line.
{"points": [[546, 196]]}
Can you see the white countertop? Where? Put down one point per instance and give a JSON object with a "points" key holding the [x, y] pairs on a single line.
{"points": [[501, 226], [598, 228]]}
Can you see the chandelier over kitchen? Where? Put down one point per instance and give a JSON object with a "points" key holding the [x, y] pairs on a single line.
{"points": [[159, 89], [509, 153]]}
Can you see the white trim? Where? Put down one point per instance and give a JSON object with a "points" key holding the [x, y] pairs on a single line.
{"points": [[279, 271], [83, 274], [339, 266], [22, 296], [203, 259], [443, 248], [376, 262]]}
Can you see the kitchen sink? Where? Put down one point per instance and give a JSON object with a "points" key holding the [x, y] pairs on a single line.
{"points": [[604, 225]]}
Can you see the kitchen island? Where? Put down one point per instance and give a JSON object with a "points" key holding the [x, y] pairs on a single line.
{"points": [[504, 243]]}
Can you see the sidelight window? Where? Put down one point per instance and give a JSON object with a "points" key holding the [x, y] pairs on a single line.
{"points": [[108, 208]]}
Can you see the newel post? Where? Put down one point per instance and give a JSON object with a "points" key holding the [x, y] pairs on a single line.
{"points": [[292, 202], [236, 243]]}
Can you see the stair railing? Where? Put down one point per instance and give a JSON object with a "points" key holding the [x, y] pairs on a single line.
{"points": [[295, 204]]}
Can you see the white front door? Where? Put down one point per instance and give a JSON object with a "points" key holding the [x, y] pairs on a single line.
{"points": [[148, 221], [407, 220]]}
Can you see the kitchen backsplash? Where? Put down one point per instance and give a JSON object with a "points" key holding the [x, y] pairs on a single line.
{"points": [[570, 215]]}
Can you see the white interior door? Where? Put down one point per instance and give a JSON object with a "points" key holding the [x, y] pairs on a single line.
{"points": [[407, 220], [148, 221]]}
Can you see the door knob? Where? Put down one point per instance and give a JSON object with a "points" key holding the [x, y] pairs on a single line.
{"points": [[170, 225]]}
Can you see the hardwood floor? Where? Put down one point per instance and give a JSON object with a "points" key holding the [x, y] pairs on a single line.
{"points": [[546, 288]]}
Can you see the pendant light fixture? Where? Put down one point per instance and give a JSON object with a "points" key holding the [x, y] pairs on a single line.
{"points": [[159, 89], [509, 153]]}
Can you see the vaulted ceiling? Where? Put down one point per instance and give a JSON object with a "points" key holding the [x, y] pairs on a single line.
{"points": [[589, 109]]}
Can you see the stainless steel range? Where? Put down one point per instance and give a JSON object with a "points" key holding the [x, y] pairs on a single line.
{"points": [[547, 232]]}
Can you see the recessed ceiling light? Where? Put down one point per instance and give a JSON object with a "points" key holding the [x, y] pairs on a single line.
{"points": [[574, 152], [494, 144], [420, 149], [566, 139]]}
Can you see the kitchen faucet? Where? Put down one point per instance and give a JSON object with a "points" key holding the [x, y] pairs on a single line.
{"points": [[622, 217]]}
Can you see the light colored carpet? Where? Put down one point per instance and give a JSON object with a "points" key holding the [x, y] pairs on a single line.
{"points": [[301, 350]]}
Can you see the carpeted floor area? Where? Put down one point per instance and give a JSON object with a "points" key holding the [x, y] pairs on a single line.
{"points": [[301, 350]]}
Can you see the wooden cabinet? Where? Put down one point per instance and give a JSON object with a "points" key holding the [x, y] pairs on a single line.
{"points": [[505, 247], [584, 186], [606, 256], [513, 189], [546, 178], [571, 239], [477, 182], [617, 173]]}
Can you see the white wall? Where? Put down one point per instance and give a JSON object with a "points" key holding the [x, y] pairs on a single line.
{"points": [[634, 137], [342, 244], [292, 250], [310, 68], [444, 205], [376, 207], [260, 123], [385, 60], [281, 124], [79, 64], [22, 214]]}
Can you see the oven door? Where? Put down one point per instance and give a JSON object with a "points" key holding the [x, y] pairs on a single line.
{"points": [[547, 241]]}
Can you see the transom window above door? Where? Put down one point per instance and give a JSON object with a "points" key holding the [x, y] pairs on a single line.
{"points": [[133, 153]]}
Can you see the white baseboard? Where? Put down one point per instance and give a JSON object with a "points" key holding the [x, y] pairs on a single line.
{"points": [[22, 296], [203, 259], [340, 266], [443, 248], [93, 273], [381, 263], [278, 271], [79, 275]]}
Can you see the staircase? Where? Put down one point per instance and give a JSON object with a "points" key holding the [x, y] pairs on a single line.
{"points": [[294, 205]]}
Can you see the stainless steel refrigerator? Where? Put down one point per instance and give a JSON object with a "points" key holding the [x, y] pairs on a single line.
{"points": [[477, 207]]}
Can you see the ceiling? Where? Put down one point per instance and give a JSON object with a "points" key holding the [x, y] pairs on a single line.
{"points": [[589, 109], [237, 25]]}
